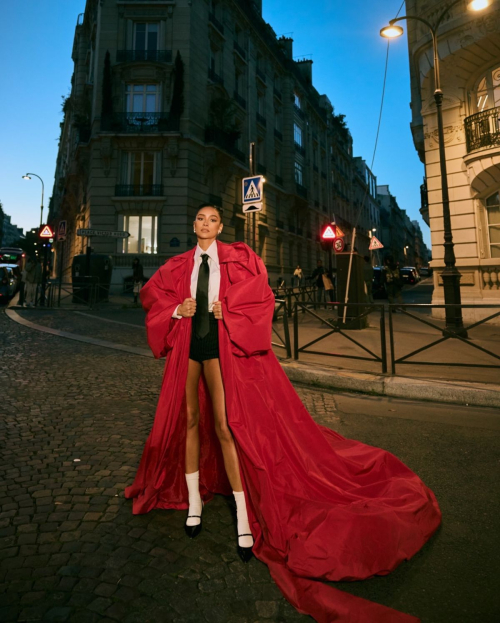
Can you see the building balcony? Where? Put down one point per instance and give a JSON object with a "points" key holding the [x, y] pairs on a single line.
{"points": [[299, 149], [240, 50], [260, 74], [139, 122], [301, 190], [299, 111], [278, 134], [482, 130], [215, 22], [215, 77], [279, 180], [139, 190], [134, 56], [261, 169], [261, 119], [241, 101]]}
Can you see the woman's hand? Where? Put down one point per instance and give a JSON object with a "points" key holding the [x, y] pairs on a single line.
{"points": [[187, 309], [217, 309]]}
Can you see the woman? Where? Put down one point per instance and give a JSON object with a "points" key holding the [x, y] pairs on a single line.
{"points": [[298, 274], [315, 505]]}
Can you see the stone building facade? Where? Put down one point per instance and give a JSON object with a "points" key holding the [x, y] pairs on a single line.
{"points": [[470, 74], [166, 97]]}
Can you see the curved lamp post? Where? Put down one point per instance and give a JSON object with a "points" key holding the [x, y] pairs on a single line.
{"points": [[450, 274], [28, 177]]}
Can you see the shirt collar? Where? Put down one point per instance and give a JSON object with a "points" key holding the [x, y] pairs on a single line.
{"points": [[211, 252]]}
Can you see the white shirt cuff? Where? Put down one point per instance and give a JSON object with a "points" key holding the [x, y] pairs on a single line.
{"points": [[175, 314]]}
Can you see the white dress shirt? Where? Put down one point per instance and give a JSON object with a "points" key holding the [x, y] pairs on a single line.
{"points": [[214, 279]]}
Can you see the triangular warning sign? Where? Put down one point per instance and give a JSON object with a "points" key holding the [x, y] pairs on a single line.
{"points": [[340, 233], [328, 234], [46, 232], [375, 244], [252, 192]]}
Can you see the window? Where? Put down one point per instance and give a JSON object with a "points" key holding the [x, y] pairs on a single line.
{"points": [[142, 97], [145, 37], [142, 230], [297, 100], [261, 104], [297, 134], [493, 213], [299, 173], [488, 90], [141, 169]]}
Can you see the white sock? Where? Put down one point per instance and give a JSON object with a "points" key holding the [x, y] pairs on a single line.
{"points": [[195, 503], [242, 520]]}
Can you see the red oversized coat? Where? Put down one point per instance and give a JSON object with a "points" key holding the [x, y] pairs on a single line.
{"points": [[320, 506]]}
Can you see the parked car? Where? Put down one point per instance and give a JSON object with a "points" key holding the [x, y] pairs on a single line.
{"points": [[408, 275], [425, 271], [8, 283], [378, 287], [415, 272]]}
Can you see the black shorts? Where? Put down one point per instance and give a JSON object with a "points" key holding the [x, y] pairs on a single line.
{"points": [[207, 347]]}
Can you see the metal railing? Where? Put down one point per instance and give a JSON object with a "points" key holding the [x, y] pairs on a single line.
{"points": [[139, 122], [139, 190], [284, 340], [445, 335], [156, 56], [86, 291], [338, 326], [482, 130]]}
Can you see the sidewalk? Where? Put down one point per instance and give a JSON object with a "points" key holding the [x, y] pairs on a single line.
{"points": [[123, 329]]}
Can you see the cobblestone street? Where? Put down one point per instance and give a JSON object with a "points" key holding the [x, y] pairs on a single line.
{"points": [[74, 419]]}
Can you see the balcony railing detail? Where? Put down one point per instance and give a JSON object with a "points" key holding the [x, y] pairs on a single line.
{"points": [[224, 140], [301, 191], [299, 149], [213, 20], [240, 100], [139, 122], [240, 50], [299, 111], [139, 190], [215, 77], [157, 56], [482, 130], [261, 119], [278, 134]]}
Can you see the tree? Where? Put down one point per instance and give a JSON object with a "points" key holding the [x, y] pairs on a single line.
{"points": [[177, 106]]}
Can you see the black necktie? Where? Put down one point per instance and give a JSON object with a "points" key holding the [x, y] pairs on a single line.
{"points": [[201, 316]]}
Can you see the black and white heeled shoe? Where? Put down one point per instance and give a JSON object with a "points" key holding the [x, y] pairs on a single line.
{"points": [[193, 531], [245, 553]]}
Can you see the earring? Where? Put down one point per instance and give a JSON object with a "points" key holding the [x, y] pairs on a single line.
{"points": [[220, 231]]}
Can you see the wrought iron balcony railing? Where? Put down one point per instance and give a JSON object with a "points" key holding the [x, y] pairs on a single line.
{"points": [[139, 190], [240, 50], [482, 130], [299, 111], [139, 122], [157, 56], [213, 20], [214, 77], [261, 119], [301, 190], [224, 140], [300, 149], [240, 100]]}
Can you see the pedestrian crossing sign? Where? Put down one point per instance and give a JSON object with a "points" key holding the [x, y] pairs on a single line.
{"points": [[252, 189], [46, 232], [375, 244]]}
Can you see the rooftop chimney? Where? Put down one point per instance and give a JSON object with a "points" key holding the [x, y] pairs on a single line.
{"points": [[286, 44], [305, 67]]}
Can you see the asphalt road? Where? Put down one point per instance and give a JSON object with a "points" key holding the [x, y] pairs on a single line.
{"points": [[73, 421]]}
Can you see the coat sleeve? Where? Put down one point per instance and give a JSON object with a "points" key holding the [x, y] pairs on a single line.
{"points": [[159, 299], [247, 311]]}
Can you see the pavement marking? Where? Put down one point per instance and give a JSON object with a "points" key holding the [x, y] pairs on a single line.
{"points": [[125, 324], [78, 338]]}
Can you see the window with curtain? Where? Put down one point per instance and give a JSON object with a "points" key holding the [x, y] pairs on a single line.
{"points": [[488, 90], [142, 98], [143, 233], [493, 213]]}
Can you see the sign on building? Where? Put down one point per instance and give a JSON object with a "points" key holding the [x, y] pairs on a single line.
{"points": [[375, 244], [61, 231]]}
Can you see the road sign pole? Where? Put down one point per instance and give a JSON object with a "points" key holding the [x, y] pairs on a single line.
{"points": [[61, 253], [254, 220]]}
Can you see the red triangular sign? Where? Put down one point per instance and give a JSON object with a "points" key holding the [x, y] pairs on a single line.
{"points": [[340, 233], [46, 232], [375, 244], [328, 234]]}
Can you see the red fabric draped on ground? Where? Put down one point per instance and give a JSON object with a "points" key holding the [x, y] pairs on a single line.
{"points": [[320, 506]]}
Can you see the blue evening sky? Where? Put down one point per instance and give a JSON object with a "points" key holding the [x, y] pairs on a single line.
{"points": [[342, 37]]}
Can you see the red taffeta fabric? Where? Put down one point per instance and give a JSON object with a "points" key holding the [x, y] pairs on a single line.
{"points": [[321, 507]]}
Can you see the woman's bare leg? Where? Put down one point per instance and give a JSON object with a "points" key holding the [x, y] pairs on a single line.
{"points": [[213, 376], [193, 417]]}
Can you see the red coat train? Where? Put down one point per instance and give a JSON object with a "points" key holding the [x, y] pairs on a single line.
{"points": [[320, 506]]}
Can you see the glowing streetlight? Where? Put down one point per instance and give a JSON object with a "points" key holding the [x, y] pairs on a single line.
{"points": [[28, 177]]}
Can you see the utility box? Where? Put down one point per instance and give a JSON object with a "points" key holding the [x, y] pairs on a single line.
{"points": [[356, 290], [91, 277]]}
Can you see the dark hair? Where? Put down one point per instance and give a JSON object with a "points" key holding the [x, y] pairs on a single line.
{"points": [[211, 205]]}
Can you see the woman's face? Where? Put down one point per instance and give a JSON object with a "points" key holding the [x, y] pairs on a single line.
{"points": [[207, 223]]}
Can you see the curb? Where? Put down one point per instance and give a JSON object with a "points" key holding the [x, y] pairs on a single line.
{"points": [[476, 394], [411, 388]]}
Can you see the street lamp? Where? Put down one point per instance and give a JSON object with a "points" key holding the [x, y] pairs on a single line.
{"points": [[450, 274], [28, 177]]}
